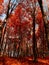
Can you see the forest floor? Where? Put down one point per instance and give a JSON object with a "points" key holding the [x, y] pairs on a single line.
{"points": [[23, 61]]}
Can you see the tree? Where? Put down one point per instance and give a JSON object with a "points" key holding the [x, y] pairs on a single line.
{"points": [[34, 36], [10, 9], [19, 28], [40, 3]]}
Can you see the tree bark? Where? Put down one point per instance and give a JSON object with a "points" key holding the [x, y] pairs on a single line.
{"points": [[40, 3], [34, 37]]}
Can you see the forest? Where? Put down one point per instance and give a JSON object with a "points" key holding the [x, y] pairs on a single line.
{"points": [[24, 28]]}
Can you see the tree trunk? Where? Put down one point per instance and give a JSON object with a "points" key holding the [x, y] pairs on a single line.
{"points": [[40, 3], [34, 37]]}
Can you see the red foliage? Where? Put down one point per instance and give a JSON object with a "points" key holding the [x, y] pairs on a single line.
{"points": [[15, 20], [1, 1], [21, 18], [1, 9], [39, 17]]}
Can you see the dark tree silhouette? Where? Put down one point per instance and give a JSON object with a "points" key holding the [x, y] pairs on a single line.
{"points": [[34, 37], [40, 3]]}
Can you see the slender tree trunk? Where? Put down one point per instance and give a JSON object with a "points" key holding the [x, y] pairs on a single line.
{"points": [[34, 37], [4, 27], [40, 3]]}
